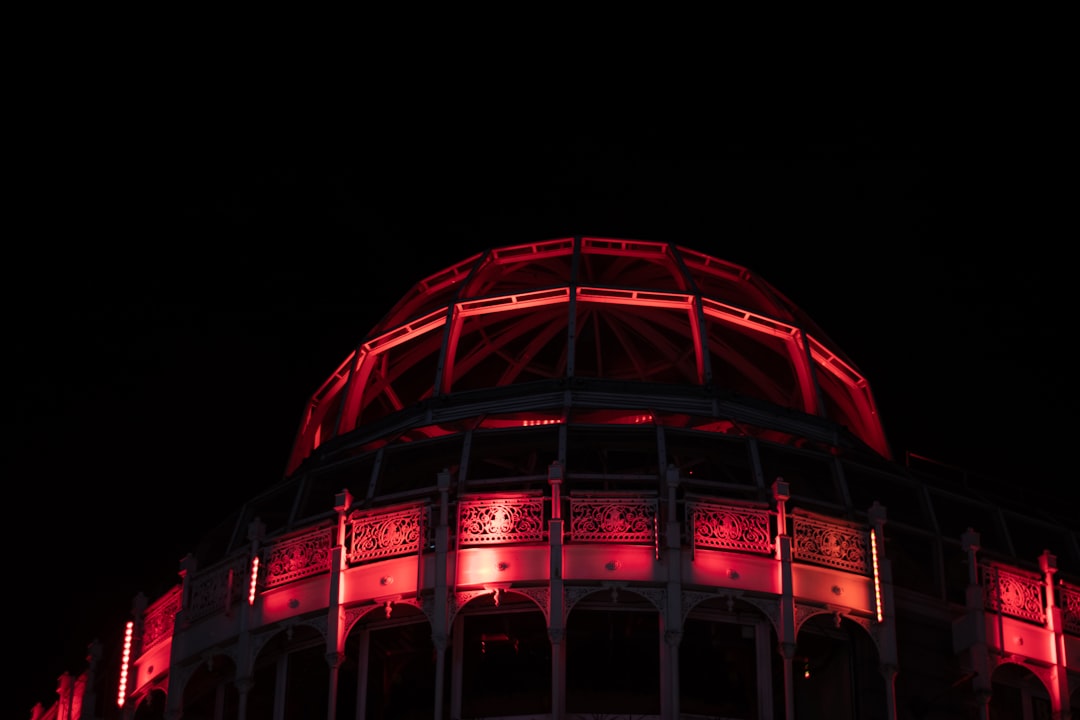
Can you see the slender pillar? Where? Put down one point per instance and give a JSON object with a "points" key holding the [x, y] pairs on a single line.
{"points": [[673, 612], [980, 654], [1059, 695], [244, 685], [362, 675], [883, 581], [335, 613], [89, 701], [174, 702], [556, 607], [670, 708], [781, 493], [245, 670], [440, 641], [440, 603]]}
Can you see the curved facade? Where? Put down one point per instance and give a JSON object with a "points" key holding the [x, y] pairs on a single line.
{"points": [[594, 477]]}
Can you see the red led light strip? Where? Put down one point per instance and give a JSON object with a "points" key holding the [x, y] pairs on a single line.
{"points": [[254, 577], [121, 694], [877, 576]]}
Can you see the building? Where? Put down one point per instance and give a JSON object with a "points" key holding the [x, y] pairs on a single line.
{"points": [[587, 478]]}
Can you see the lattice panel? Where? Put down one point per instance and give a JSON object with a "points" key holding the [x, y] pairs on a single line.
{"points": [[630, 520], [1013, 594], [161, 618], [501, 520], [372, 537], [730, 527], [297, 558], [832, 544], [1070, 610], [211, 590]]}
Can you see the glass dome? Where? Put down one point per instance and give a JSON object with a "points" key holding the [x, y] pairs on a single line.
{"points": [[588, 314]]}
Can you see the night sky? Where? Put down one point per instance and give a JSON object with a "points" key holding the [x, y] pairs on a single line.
{"points": [[195, 268]]}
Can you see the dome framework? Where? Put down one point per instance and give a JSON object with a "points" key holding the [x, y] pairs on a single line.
{"points": [[594, 476]]}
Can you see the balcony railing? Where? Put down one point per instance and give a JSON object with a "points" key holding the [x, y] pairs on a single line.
{"points": [[495, 519]]}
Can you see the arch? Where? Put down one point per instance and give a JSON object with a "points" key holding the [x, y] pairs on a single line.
{"points": [[728, 660], [151, 706], [389, 660], [837, 670], [501, 663], [211, 684], [1018, 691], [290, 670], [613, 650]]}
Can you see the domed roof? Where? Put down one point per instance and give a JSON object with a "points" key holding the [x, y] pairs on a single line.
{"points": [[671, 325]]}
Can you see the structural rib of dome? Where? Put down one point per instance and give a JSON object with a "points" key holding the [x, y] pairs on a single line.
{"points": [[501, 331]]}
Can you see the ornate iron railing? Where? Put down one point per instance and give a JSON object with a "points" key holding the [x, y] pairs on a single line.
{"points": [[613, 519], [297, 557], [496, 520], [1012, 593], [1070, 608], [375, 536], [160, 618], [843, 546], [217, 587], [729, 527]]}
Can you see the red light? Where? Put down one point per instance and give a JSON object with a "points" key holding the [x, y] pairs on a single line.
{"points": [[121, 694], [877, 577], [254, 578]]}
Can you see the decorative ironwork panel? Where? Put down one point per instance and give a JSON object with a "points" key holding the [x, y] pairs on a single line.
{"points": [[1070, 609], [211, 590], [296, 558], [620, 519], [501, 520], [832, 544], [160, 618], [1013, 594], [373, 537], [730, 527]]}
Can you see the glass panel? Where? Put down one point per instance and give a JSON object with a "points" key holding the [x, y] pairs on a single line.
{"points": [[914, 559], [512, 454], [956, 514], [710, 457], [612, 661], [417, 465], [903, 501], [401, 673], [506, 665], [809, 477], [613, 457], [320, 489], [718, 669]]}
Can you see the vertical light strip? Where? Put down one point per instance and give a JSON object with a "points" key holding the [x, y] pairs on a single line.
{"points": [[121, 694], [877, 575], [254, 578]]}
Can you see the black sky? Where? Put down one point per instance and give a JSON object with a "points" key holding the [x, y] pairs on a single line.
{"points": [[194, 267]]}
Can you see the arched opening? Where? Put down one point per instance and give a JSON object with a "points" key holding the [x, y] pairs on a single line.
{"points": [[291, 676], [211, 692], [613, 655], [837, 672], [389, 666], [151, 707], [502, 658], [1016, 693], [728, 664]]}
